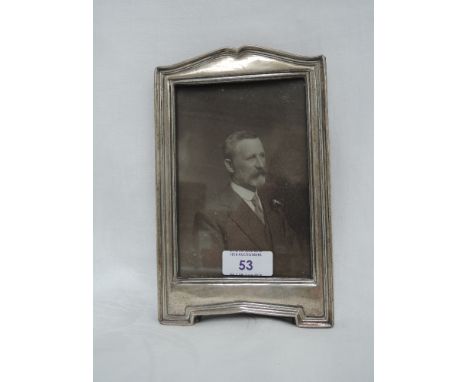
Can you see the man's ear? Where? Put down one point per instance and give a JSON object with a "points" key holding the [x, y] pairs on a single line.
{"points": [[228, 165]]}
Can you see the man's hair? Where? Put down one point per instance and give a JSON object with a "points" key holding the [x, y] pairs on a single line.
{"points": [[231, 141]]}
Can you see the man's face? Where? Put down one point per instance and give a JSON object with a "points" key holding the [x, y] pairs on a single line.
{"points": [[247, 166]]}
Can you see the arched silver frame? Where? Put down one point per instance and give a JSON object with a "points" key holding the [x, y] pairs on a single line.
{"points": [[181, 301]]}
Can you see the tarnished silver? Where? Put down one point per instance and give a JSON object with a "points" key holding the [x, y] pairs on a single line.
{"points": [[181, 301]]}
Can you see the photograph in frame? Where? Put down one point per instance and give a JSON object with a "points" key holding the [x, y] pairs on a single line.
{"points": [[242, 180], [243, 212]]}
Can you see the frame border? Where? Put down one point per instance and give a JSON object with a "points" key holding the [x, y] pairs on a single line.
{"points": [[244, 64]]}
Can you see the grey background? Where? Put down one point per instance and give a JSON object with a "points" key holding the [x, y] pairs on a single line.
{"points": [[131, 38]]}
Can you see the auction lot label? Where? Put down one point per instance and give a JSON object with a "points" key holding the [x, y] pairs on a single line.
{"points": [[247, 263]]}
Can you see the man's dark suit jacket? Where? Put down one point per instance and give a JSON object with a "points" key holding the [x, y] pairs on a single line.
{"points": [[229, 224]]}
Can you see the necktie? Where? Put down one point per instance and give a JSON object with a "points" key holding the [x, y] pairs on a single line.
{"points": [[258, 208]]}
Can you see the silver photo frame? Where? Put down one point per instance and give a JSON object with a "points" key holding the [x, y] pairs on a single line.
{"points": [[197, 104]]}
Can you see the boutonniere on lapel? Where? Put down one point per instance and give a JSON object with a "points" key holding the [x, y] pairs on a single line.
{"points": [[275, 203]]}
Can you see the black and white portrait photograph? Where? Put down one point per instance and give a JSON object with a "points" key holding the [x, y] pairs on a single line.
{"points": [[242, 175]]}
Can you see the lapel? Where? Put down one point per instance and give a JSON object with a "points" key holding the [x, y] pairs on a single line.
{"points": [[271, 216], [245, 218]]}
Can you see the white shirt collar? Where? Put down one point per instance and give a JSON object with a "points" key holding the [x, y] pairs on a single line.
{"points": [[244, 193]]}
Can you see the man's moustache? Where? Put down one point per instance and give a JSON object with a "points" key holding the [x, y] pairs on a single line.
{"points": [[260, 173]]}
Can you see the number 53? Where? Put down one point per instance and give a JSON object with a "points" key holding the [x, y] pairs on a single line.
{"points": [[246, 264]]}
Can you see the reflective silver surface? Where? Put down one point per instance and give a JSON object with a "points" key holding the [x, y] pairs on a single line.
{"points": [[308, 300]]}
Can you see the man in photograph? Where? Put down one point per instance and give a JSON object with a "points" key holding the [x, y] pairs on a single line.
{"points": [[243, 217]]}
